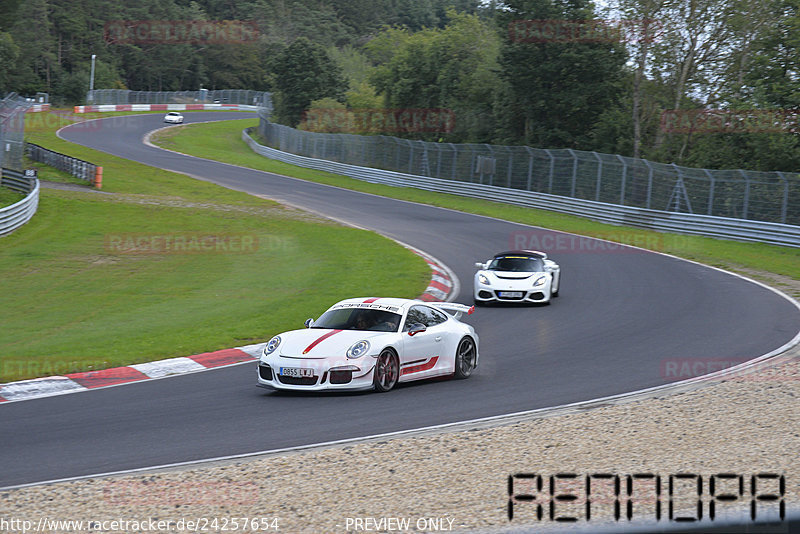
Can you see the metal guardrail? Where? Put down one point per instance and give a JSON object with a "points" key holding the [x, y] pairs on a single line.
{"points": [[15, 215], [76, 167], [668, 221]]}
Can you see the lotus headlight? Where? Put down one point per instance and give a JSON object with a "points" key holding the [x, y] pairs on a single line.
{"points": [[539, 281], [272, 344], [358, 349], [483, 279]]}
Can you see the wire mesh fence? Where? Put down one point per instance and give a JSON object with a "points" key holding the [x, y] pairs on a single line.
{"points": [[204, 96], [759, 196], [12, 131]]}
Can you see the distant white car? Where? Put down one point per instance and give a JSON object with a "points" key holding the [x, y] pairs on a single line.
{"points": [[371, 343], [517, 276], [173, 117]]}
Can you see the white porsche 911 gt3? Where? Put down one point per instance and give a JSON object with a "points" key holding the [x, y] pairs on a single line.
{"points": [[173, 117], [371, 343], [517, 276]]}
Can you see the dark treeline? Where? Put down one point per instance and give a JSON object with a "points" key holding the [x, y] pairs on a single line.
{"points": [[630, 85]]}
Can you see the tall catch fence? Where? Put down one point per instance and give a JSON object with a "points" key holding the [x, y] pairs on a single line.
{"points": [[12, 131], [260, 99], [614, 179]]}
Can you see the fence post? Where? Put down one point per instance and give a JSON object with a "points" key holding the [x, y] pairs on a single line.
{"points": [[552, 170], [510, 165], [785, 203], [455, 160], [624, 180], [530, 166], [746, 202], [396, 142], [679, 189], [410, 157], [438, 160], [599, 175], [494, 166], [574, 172], [710, 191]]}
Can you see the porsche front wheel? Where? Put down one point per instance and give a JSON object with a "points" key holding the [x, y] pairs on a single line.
{"points": [[387, 370]]}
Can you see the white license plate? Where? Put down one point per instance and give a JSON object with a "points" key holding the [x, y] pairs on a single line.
{"points": [[297, 372], [510, 294]]}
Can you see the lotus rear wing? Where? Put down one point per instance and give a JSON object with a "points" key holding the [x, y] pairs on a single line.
{"points": [[454, 309]]}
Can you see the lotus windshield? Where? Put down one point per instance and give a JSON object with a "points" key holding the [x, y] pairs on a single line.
{"points": [[517, 264], [358, 319]]}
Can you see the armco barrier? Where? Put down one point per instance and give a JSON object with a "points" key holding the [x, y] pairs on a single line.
{"points": [[78, 168], [666, 221], [15, 215]]}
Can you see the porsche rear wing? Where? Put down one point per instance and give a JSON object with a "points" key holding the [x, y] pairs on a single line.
{"points": [[453, 308]]}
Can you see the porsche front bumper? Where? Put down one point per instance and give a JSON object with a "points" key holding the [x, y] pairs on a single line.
{"points": [[326, 374]]}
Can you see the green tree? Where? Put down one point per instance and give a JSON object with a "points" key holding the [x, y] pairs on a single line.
{"points": [[304, 72], [9, 52], [555, 91], [454, 68], [8, 12], [774, 75]]}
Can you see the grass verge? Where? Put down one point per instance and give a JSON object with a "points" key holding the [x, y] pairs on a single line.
{"points": [[173, 267], [9, 196], [222, 142]]}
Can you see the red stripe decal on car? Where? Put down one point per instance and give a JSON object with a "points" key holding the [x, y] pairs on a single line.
{"points": [[421, 367], [370, 300], [321, 339]]}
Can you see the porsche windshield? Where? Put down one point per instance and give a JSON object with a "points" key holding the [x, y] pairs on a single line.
{"points": [[359, 319], [517, 264]]}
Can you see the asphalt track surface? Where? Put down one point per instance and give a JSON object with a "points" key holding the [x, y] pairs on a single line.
{"points": [[623, 317]]}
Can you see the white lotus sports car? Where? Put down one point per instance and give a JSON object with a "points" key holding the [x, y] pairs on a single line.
{"points": [[517, 276], [371, 343]]}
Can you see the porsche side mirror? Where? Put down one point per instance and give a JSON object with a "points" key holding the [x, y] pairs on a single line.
{"points": [[309, 322], [416, 329], [480, 265]]}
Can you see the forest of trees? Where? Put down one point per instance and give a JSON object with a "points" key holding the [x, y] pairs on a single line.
{"points": [[505, 80]]}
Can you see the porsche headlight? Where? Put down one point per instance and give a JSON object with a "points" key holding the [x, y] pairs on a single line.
{"points": [[358, 349], [539, 281], [483, 279], [272, 344]]}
